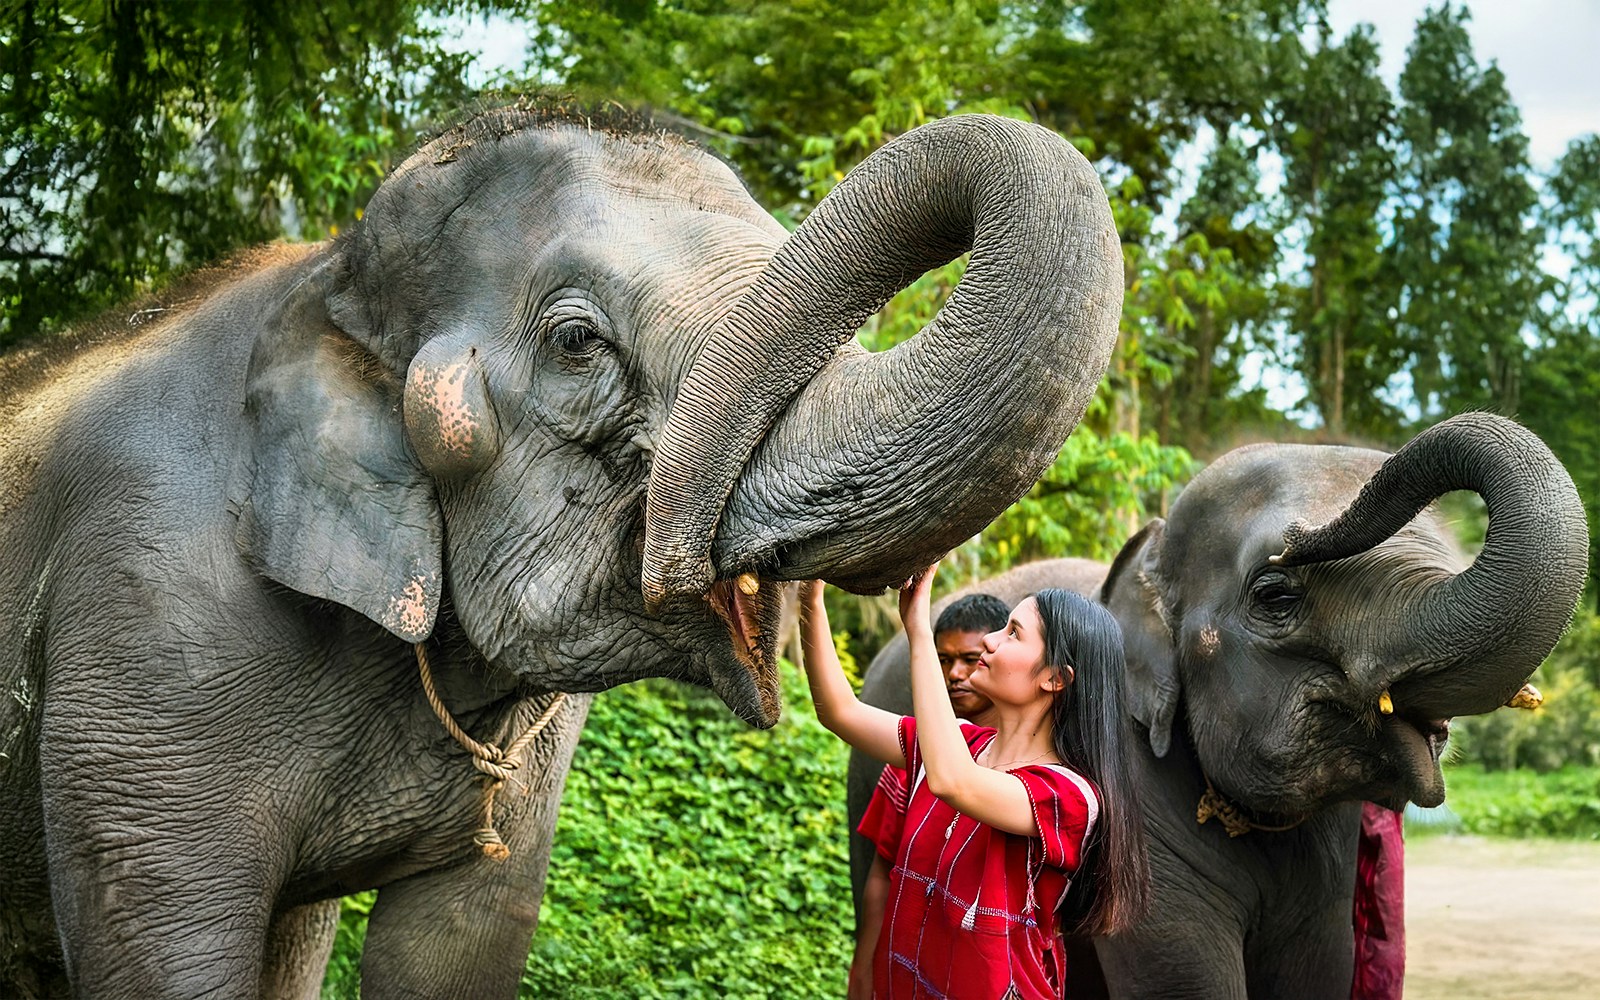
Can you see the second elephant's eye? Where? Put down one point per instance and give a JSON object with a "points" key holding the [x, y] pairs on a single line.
{"points": [[1275, 594]]}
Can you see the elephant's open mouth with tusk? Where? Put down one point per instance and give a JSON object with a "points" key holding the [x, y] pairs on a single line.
{"points": [[745, 607], [1415, 746]]}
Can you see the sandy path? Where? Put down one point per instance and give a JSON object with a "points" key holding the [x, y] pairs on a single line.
{"points": [[1509, 919]]}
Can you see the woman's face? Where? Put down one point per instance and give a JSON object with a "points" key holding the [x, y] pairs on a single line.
{"points": [[1009, 671]]}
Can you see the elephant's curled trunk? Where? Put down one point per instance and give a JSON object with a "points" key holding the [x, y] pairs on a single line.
{"points": [[1482, 632], [882, 462]]}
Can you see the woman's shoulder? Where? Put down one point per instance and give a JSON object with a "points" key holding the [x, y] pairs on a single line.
{"points": [[1060, 781], [1066, 806]]}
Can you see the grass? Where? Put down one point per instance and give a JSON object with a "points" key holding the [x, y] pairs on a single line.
{"points": [[1519, 803]]}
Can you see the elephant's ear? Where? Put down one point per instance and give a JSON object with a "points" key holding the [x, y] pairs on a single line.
{"points": [[1134, 595], [331, 500]]}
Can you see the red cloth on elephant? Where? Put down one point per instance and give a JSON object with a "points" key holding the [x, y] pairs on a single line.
{"points": [[886, 813], [971, 910], [1380, 911]]}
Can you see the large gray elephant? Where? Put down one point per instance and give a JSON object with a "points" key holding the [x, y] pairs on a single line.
{"points": [[1297, 671], [559, 413]]}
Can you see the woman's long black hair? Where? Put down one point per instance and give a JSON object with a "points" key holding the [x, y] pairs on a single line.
{"points": [[1111, 888]]}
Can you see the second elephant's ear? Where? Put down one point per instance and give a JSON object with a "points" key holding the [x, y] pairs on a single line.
{"points": [[1136, 598], [331, 500]]}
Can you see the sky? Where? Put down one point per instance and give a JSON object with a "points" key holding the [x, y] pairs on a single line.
{"points": [[1549, 51]]}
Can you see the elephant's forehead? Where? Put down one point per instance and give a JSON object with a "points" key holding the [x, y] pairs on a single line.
{"points": [[1242, 501], [664, 278], [545, 166], [506, 198], [1314, 482]]}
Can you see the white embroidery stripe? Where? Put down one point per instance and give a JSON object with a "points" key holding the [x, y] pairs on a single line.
{"points": [[943, 891]]}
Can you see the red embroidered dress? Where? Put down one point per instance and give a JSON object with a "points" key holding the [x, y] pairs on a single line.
{"points": [[886, 813], [971, 909]]}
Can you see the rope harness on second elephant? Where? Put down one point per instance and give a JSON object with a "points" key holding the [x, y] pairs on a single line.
{"points": [[1214, 806], [489, 759]]}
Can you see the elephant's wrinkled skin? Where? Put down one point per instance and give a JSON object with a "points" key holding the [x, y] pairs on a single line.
{"points": [[1265, 677], [556, 392]]}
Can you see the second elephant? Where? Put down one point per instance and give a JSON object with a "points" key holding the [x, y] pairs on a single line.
{"points": [[1283, 674]]}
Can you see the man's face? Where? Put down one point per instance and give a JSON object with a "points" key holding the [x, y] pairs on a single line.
{"points": [[958, 655]]}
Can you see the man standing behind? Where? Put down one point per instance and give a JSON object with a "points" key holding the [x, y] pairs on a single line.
{"points": [[958, 637]]}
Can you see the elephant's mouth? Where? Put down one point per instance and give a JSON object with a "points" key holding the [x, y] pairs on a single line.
{"points": [[1415, 745], [749, 609]]}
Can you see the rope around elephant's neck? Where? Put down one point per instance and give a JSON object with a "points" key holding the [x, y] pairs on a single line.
{"points": [[489, 759], [1213, 805]]}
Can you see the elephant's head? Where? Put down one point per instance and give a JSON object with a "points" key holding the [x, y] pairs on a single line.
{"points": [[1313, 665], [573, 383]]}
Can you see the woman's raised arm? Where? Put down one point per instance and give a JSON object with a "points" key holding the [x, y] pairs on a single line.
{"points": [[1000, 800], [873, 731]]}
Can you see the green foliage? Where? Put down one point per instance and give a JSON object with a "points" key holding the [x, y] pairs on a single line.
{"points": [[144, 138], [696, 856], [1098, 492], [342, 981], [1564, 803], [794, 92]]}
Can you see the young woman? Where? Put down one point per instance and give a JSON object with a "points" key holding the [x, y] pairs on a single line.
{"points": [[1014, 834]]}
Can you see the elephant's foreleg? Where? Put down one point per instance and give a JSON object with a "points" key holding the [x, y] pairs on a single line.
{"points": [[1198, 960], [296, 955], [133, 930], [453, 933], [153, 900], [464, 931]]}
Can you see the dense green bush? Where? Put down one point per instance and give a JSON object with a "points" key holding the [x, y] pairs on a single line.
{"points": [[1523, 803], [696, 856]]}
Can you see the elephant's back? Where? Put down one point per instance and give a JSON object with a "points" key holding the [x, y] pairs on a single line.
{"points": [[133, 374]]}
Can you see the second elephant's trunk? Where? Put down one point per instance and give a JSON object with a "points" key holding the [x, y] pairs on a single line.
{"points": [[1477, 636]]}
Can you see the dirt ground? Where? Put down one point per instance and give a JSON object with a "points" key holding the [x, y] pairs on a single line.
{"points": [[1508, 919]]}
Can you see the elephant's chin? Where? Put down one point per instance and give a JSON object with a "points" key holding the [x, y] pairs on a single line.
{"points": [[1414, 747], [748, 681]]}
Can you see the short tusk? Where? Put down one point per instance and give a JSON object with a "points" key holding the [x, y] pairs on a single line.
{"points": [[749, 583], [1527, 697], [1385, 704]]}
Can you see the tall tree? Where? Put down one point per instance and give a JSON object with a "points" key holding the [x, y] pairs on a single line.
{"points": [[145, 137], [1334, 131], [1218, 297], [1563, 370], [1465, 254], [1143, 77]]}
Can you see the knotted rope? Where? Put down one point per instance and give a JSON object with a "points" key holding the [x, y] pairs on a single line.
{"points": [[489, 759], [1214, 806]]}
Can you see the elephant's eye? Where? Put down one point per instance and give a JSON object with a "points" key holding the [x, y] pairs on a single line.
{"points": [[1275, 594], [577, 337]]}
